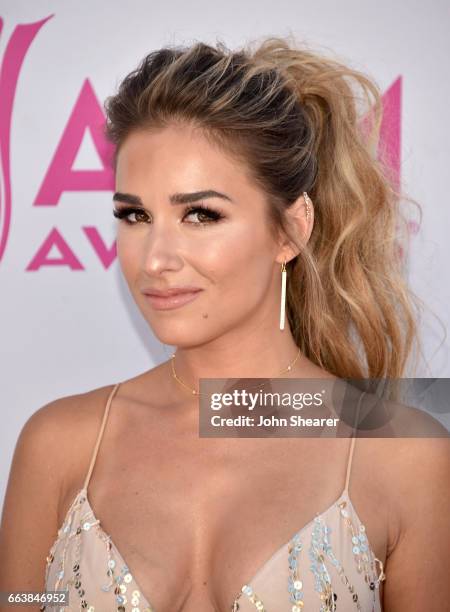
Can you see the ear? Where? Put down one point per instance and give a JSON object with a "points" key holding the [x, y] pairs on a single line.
{"points": [[301, 225]]}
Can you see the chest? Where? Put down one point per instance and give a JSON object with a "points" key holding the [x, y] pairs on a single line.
{"points": [[195, 520]]}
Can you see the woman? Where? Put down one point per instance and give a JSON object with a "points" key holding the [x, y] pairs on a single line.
{"points": [[231, 168]]}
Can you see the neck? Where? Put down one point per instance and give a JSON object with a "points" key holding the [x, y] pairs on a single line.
{"points": [[242, 358]]}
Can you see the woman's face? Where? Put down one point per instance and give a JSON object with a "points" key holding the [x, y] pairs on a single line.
{"points": [[228, 253]]}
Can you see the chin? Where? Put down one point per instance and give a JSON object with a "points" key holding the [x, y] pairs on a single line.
{"points": [[181, 335]]}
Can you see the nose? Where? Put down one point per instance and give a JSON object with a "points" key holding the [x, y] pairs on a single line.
{"points": [[161, 250]]}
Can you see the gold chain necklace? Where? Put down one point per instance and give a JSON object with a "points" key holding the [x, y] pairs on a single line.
{"points": [[195, 392]]}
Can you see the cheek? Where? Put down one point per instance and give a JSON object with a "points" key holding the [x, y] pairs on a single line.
{"points": [[221, 255], [127, 253], [239, 264], [237, 242]]}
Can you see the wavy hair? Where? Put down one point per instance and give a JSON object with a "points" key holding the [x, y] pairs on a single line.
{"points": [[293, 116]]}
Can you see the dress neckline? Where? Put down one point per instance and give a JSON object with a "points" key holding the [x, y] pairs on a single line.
{"points": [[84, 492]]}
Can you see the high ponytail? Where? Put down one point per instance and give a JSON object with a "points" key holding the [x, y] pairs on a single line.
{"points": [[356, 256]]}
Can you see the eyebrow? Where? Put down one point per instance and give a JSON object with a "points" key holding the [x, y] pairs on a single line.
{"points": [[176, 198]]}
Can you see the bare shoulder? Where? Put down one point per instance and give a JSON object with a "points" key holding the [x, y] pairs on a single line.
{"points": [[64, 424], [410, 460], [419, 469], [43, 459], [71, 423], [69, 409], [55, 434], [54, 445], [418, 497]]}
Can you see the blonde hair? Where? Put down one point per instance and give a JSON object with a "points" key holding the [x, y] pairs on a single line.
{"points": [[291, 116]]}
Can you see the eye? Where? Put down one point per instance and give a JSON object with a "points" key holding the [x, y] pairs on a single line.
{"points": [[124, 213], [204, 212]]}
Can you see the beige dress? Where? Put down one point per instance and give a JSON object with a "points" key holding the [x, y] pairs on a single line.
{"points": [[328, 564]]}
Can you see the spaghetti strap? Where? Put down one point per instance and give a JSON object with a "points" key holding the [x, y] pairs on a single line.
{"points": [[352, 444], [100, 434]]}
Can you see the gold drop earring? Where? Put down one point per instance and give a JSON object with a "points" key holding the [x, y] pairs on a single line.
{"points": [[283, 294], [283, 269]]}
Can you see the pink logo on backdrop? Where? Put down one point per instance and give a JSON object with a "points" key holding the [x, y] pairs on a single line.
{"points": [[87, 113]]}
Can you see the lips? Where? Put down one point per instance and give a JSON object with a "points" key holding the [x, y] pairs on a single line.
{"points": [[170, 292], [170, 300]]}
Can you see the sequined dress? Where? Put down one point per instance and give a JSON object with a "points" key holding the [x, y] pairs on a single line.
{"points": [[327, 566]]}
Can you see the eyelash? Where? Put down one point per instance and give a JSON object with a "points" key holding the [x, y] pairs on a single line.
{"points": [[214, 216]]}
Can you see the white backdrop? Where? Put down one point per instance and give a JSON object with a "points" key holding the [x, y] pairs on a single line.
{"points": [[68, 323]]}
